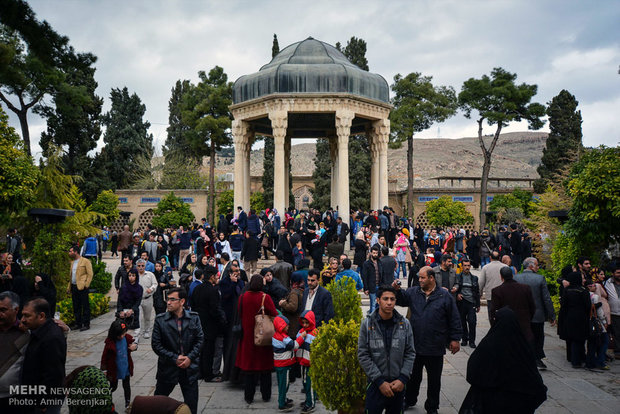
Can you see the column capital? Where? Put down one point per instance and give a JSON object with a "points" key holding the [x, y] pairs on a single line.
{"points": [[242, 132], [381, 131]]}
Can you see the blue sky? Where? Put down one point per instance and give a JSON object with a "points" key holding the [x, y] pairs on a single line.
{"points": [[148, 45]]}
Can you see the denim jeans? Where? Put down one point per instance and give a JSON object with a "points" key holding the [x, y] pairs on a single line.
{"points": [[595, 357], [373, 302], [484, 261], [400, 265]]}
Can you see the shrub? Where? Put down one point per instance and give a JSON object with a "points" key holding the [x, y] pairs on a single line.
{"points": [[99, 305], [336, 374], [102, 279], [171, 211], [347, 302], [49, 255]]}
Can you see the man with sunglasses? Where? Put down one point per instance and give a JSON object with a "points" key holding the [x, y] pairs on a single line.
{"points": [[177, 341]]}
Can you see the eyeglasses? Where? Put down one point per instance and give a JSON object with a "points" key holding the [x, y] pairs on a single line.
{"points": [[173, 300], [140, 266]]}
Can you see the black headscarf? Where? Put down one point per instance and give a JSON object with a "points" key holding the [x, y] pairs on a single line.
{"points": [[575, 280], [502, 371], [130, 293]]}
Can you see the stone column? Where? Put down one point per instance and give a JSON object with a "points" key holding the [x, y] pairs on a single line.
{"points": [[287, 170], [333, 155], [344, 118], [382, 135], [241, 137], [247, 177], [374, 169], [279, 121]]}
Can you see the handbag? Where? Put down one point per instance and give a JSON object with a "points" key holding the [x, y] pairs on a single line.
{"points": [[263, 326], [237, 329], [595, 329]]}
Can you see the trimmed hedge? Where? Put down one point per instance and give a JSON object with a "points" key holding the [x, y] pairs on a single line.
{"points": [[99, 305]]}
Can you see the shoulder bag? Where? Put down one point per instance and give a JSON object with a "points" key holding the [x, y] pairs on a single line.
{"points": [[263, 326]]}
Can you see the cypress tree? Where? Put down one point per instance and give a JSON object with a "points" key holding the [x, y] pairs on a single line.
{"points": [[564, 145]]}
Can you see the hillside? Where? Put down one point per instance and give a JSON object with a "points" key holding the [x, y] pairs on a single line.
{"points": [[517, 155]]}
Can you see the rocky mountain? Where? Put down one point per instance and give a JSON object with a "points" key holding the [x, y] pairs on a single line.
{"points": [[517, 155]]}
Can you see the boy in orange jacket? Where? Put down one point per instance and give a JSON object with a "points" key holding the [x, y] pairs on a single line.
{"points": [[307, 333]]}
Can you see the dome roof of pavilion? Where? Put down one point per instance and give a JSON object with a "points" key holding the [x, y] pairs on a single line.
{"points": [[312, 67]]}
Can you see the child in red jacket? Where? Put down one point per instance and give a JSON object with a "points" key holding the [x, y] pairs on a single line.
{"points": [[116, 357], [307, 333], [283, 358]]}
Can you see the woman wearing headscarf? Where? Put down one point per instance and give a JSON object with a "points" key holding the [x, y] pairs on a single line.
{"points": [[164, 282], [574, 317], [256, 362], [230, 288], [361, 249], [129, 299], [502, 372], [43, 287], [473, 249], [401, 247]]}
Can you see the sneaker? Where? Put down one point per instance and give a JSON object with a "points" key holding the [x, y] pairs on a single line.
{"points": [[307, 409], [289, 401], [605, 368], [146, 335], [285, 409], [540, 365], [85, 328], [472, 345]]}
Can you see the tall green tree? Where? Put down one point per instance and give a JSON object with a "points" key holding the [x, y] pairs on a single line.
{"points": [[176, 144], [32, 61], [498, 100], [417, 105], [564, 143], [73, 122], [18, 174], [360, 166], [593, 185], [129, 146], [205, 111], [275, 47], [321, 176], [355, 51]]}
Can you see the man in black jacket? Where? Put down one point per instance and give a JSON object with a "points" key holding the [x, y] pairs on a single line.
{"points": [[250, 253], [436, 325], [372, 274], [45, 357], [468, 303], [177, 340], [206, 302], [317, 299]]}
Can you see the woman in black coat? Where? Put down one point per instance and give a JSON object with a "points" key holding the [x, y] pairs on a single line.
{"points": [[165, 281], [502, 372], [129, 299], [361, 250], [574, 317], [473, 249], [43, 287], [284, 245]]}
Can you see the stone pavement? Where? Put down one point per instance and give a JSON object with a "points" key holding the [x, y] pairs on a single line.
{"points": [[569, 390]]}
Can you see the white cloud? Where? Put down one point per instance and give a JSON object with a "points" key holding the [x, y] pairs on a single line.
{"points": [[148, 45]]}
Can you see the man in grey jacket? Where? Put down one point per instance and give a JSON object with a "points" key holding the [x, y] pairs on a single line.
{"points": [[544, 305], [386, 353], [490, 279]]}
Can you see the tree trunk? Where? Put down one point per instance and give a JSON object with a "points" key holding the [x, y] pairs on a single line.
{"points": [[23, 123], [483, 189], [211, 206], [486, 168], [410, 177]]}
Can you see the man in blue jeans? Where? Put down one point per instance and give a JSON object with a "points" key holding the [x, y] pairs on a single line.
{"points": [[372, 276]]}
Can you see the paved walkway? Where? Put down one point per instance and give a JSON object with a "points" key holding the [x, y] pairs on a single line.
{"points": [[570, 390]]}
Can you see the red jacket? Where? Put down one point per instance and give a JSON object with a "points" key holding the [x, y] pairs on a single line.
{"points": [[303, 353], [108, 358], [283, 346], [249, 356]]}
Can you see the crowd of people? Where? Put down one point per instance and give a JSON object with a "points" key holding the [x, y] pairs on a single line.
{"points": [[195, 292]]}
